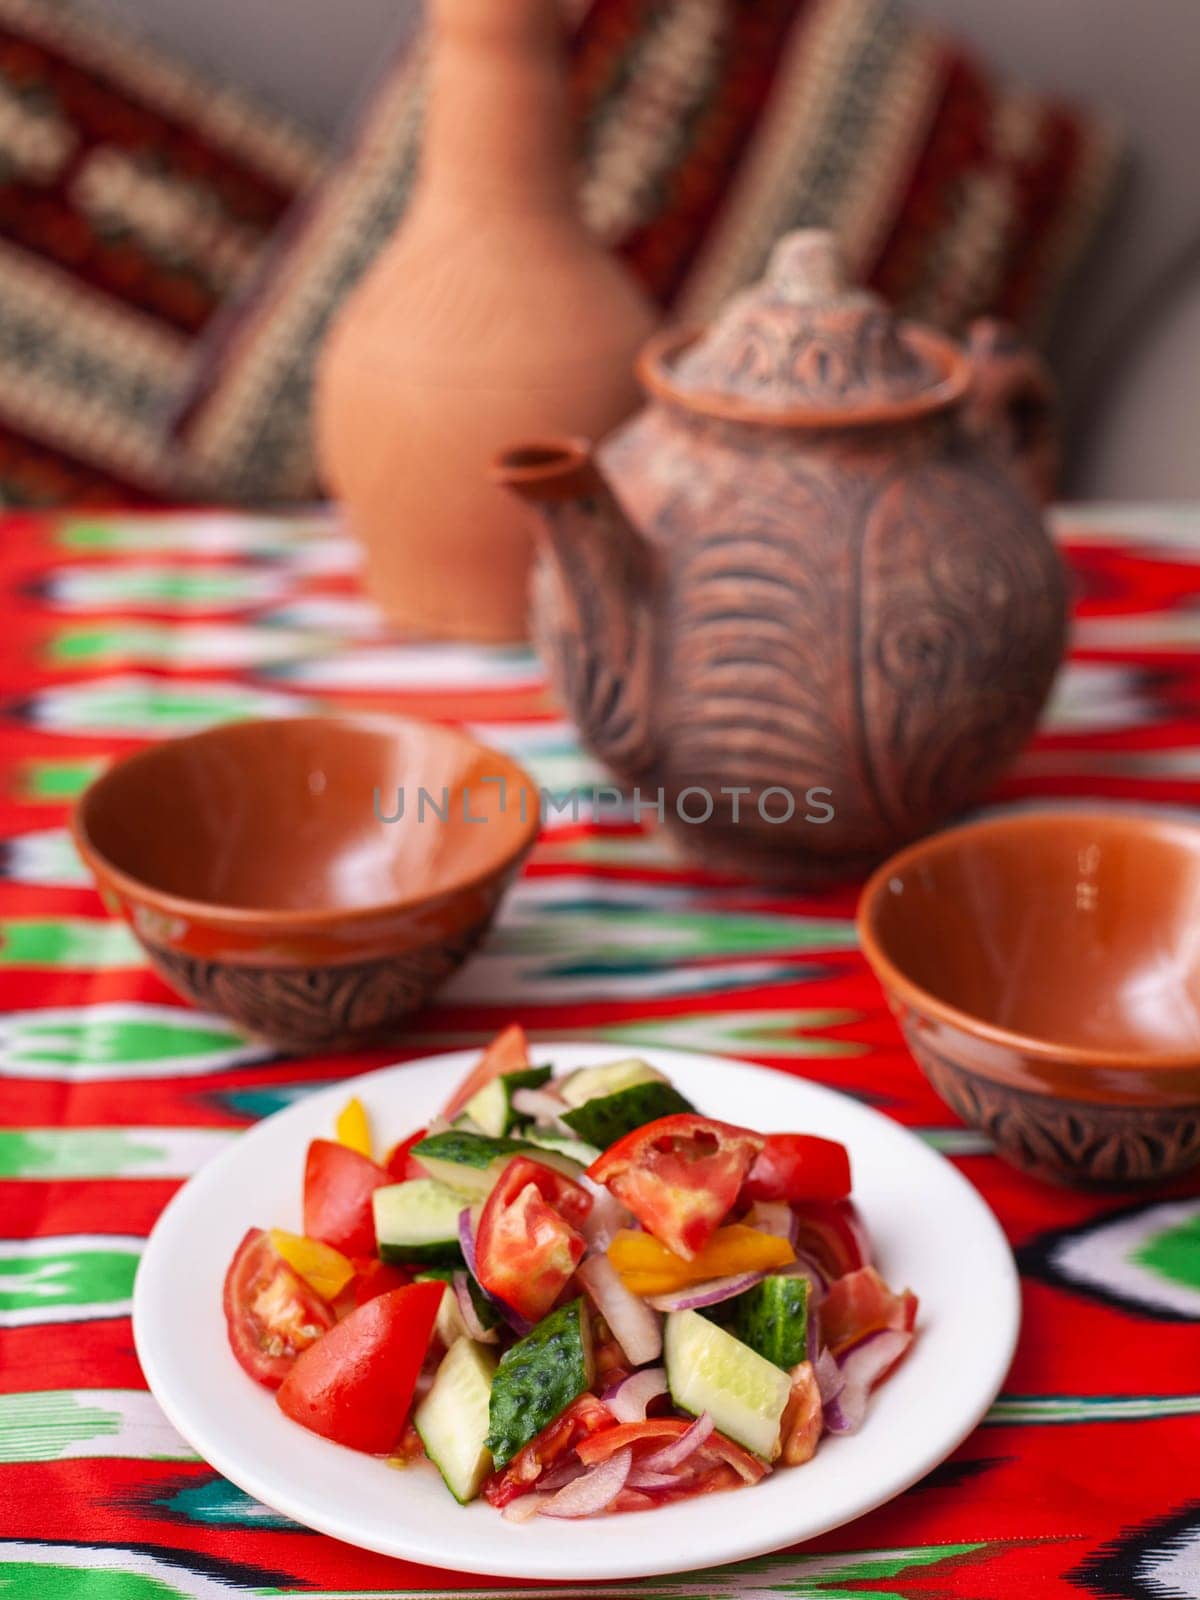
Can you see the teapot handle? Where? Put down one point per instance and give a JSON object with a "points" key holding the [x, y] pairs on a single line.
{"points": [[1013, 405]]}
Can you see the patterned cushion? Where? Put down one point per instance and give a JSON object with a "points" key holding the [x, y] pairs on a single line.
{"points": [[708, 128], [135, 197]]}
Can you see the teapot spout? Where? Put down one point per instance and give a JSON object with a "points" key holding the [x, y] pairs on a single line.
{"points": [[592, 601]]}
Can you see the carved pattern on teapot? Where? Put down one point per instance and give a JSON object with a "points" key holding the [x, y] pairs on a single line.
{"points": [[800, 569]]}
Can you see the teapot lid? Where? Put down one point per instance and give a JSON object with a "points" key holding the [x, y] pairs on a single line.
{"points": [[801, 346]]}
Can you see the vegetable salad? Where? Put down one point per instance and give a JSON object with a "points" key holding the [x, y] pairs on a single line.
{"points": [[574, 1295]]}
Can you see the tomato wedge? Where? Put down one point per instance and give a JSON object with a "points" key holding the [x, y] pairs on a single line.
{"points": [[860, 1303], [400, 1162], [803, 1417], [271, 1314], [648, 1267], [527, 1245], [338, 1185], [508, 1052], [657, 1430], [570, 1199], [582, 1417], [798, 1166], [831, 1232], [375, 1277], [680, 1176], [356, 1385], [602, 1445]]}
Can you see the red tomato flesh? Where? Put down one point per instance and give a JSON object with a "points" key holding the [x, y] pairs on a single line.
{"points": [[657, 1431], [375, 1277], [508, 1052], [338, 1185], [356, 1385], [680, 1176], [271, 1314], [831, 1232], [583, 1417], [400, 1163], [798, 1166], [526, 1246], [860, 1303]]}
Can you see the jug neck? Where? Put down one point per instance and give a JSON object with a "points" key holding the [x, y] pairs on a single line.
{"points": [[498, 133]]}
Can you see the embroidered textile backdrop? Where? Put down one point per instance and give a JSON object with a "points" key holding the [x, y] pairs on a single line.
{"points": [[1083, 1478]]}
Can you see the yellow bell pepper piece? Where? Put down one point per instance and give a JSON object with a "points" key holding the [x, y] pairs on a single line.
{"points": [[647, 1267], [352, 1127], [324, 1269]]}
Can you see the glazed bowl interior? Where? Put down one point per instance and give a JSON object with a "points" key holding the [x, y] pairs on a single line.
{"points": [[1075, 931], [280, 817]]}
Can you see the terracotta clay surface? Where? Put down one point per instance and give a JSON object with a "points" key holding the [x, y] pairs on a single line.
{"points": [[252, 864], [805, 567], [1045, 969], [493, 313]]}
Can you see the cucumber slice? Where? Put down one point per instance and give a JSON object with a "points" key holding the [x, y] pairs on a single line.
{"points": [[772, 1318], [491, 1108], [538, 1378], [588, 1082], [451, 1321], [471, 1162], [709, 1370], [605, 1118], [448, 1324], [418, 1221], [452, 1419], [574, 1150]]}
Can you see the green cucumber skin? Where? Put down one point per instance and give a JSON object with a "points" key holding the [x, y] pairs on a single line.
{"points": [[528, 1077], [463, 1149], [772, 1318], [576, 1150], [538, 1378], [438, 1255], [488, 1316], [502, 1088], [607, 1118]]}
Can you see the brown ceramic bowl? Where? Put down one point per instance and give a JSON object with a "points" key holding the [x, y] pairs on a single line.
{"points": [[253, 865], [1045, 969]]}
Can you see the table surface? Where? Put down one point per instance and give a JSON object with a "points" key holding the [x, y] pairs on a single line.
{"points": [[1084, 1477]]}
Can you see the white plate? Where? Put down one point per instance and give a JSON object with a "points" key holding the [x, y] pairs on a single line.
{"points": [[931, 1231]]}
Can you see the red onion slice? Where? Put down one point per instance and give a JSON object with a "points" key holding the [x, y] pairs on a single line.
{"points": [[677, 1452], [594, 1491], [634, 1325], [862, 1367], [466, 1238], [468, 1313], [628, 1399], [606, 1218], [807, 1266], [639, 1478], [830, 1378], [543, 1105], [859, 1229], [524, 1507], [561, 1475], [774, 1217], [697, 1295]]}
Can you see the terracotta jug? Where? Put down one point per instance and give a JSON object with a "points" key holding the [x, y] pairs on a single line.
{"points": [[805, 595], [493, 312]]}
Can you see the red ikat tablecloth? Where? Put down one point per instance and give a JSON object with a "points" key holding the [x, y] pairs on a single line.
{"points": [[1085, 1478]]}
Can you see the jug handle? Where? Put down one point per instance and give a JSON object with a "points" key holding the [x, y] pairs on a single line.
{"points": [[1013, 405]]}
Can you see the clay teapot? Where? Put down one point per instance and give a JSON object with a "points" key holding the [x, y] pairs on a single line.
{"points": [[806, 596]]}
